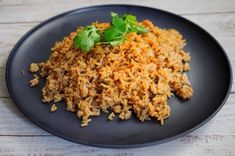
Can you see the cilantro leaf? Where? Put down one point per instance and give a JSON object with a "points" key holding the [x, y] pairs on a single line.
{"points": [[130, 18], [112, 34], [133, 24], [120, 27], [116, 34], [140, 29], [116, 20], [116, 42], [87, 38]]}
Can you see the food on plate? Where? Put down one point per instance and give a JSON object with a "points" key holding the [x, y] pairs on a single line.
{"points": [[33, 67], [124, 67], [35, 81], [53, 108]]}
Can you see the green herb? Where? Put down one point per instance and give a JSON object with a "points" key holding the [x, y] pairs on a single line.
{"points": [[87, 38], [116, 34], [133, 24], [120, 27]]}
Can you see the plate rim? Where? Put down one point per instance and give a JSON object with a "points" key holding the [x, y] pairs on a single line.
{"points": [[150, 143]]}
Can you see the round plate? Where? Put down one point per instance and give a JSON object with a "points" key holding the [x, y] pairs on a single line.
{"points": [[210, 76]]}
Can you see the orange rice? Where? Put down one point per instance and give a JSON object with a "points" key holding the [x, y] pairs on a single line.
{"points": [[137, 76]]}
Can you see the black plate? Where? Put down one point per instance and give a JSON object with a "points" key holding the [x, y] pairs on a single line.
{"points": [[210, 76]]}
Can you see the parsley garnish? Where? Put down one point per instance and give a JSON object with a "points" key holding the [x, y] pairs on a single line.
{"points": [[87, 38], [120, 27], [132, 24], [115, 34]]}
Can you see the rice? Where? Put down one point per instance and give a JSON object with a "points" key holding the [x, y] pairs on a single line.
{"points": [[53, 108], [35, 81], [135, 77], [33, 67]]}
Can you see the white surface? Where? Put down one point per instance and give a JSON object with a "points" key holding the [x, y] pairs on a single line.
{"points": [[19, 136]]}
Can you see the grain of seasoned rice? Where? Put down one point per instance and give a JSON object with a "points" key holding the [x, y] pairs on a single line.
{"points": [[33, 67], [53, 108], [35, 81]]}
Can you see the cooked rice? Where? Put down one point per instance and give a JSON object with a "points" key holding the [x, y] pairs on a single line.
{"points": [[35, 81], [33, 67], [137, 76], [53, 108]]}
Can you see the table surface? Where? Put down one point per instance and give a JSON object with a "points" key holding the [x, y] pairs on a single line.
{"points": [[19, 136]]}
